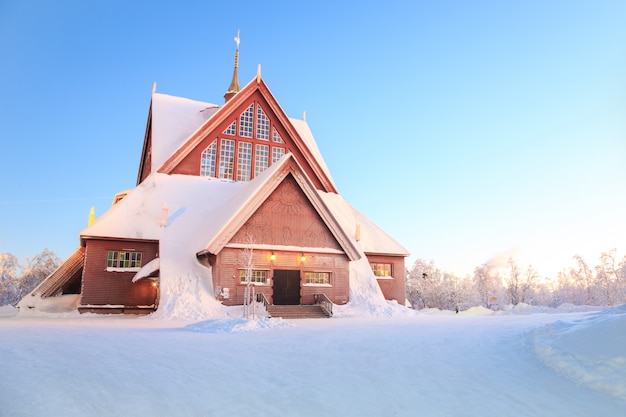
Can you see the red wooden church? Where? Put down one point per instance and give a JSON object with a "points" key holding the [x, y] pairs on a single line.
{"points": [[215, 183]]}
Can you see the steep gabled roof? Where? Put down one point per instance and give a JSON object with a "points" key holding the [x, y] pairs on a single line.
{"points": [[269, 180], [68, 271], [304, 145], [205, 213], [171, 120]]}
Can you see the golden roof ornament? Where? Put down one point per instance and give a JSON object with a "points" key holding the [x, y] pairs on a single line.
{"points": [[234, 84]]}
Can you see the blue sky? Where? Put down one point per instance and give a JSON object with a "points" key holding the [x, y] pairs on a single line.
{"points": [[468, 130]]}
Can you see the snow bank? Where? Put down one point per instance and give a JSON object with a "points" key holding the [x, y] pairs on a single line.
{"points": [[7, 311], [366, 297], [477, 311], [65, 304], [591, 351], [523, 308], [236, 325]]}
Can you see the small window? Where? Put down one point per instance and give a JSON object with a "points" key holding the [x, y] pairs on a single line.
{"points": [[128, 260], [207, 165], [232, 129], [276, 136], [381, 270], [317, 278], [256, 277], [277, 153]]}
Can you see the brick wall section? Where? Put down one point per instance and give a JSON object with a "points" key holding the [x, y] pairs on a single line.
{"points": [[395, 288], [104, 288], [228, 266]]}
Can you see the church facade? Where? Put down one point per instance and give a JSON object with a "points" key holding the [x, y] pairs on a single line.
{"points": [[233, 195]]}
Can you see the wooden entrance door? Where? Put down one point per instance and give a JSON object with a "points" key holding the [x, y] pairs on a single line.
{"points": [[286, 286]]}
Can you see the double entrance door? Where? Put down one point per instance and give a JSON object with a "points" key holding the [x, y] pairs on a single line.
{"points": [[286, 287]]}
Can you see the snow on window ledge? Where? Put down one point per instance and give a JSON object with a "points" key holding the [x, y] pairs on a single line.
{"points": [[387, 277], [112, 269], [318, 285]]}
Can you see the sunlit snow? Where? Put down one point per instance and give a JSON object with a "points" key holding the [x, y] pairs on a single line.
{"points": [[370, 362]]}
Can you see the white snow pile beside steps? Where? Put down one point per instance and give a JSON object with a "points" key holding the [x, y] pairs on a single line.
{"points": [[591, 351]]}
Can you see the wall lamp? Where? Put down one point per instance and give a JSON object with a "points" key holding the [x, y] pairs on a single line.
{"points": [[272, 257]]}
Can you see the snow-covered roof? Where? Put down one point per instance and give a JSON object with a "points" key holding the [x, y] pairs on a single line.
{"points": [[373, 239], [174, 119], [305, 133], [199, 208]]}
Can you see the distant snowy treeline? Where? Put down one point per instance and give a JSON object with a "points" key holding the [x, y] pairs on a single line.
{"points": [[17, 280], [494, 286]]}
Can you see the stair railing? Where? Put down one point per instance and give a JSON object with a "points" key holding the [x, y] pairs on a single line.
{"points": [[324, 302], [262, 298]]}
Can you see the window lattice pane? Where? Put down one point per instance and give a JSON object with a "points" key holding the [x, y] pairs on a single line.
{"points": [[232, 129], [244, 161], [256, 277], [276, 136], [207, 165], [317, 277], [227, 158], [277, 153], [245, 122], [262, 159], [262, 125], [381, 270], [117, 259]]}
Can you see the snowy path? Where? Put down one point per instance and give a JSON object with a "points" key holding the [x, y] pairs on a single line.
{"points": [[428, 366]]}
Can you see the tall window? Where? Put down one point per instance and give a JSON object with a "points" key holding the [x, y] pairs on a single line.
{"points": [[250, 144], [245, 121], [244, 161], [227, 158], [207, 166], [262, 124], [262, 159], [381, 270]]}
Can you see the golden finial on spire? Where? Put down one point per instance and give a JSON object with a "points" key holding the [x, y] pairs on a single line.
{"points": [[234, 84]]}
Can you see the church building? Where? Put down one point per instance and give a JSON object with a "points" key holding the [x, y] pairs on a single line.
{"points": [[227, 197]]}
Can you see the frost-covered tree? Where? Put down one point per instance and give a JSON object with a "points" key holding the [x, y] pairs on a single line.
{"points": [[608, 280], [488, 284], [520, 284], [37, 269], [430, 287], [16, 281], [9, 284]]}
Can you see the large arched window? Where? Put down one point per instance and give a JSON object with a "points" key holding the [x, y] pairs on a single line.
{"points": [[247, 147]]}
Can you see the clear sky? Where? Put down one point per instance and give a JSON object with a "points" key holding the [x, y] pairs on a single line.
{"points": [[469, 130]]}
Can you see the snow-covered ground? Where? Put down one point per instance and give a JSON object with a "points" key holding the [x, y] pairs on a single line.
{"points": [[520, 362]]}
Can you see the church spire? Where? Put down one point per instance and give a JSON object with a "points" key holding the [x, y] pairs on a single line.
{"points": [[234, 84]]}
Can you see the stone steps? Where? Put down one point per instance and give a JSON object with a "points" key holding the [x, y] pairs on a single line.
{"points": [[297, 312]]}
